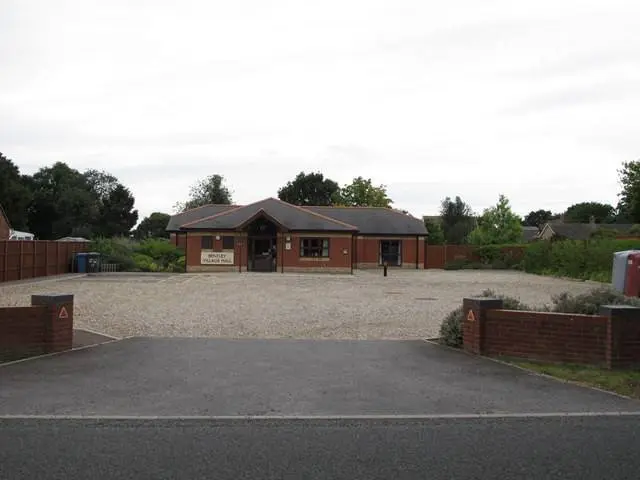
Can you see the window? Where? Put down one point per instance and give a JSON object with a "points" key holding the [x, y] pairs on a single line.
{"points": [[314, 247], [206, 243], [391, 252], [227, 243]]}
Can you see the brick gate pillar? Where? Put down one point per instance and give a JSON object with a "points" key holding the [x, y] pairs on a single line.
{"points": [[58, 322], [623, 335], [474, 311]]}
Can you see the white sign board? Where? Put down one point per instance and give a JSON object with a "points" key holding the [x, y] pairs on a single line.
{"points": [[208, 257]]}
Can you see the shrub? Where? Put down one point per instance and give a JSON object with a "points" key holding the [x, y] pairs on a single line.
{"points": [[451, 326], [144, 263], [160, 250], [458, 264], [589, 303]]}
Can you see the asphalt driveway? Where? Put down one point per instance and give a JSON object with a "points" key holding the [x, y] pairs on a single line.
{"points": [[218, 377]]}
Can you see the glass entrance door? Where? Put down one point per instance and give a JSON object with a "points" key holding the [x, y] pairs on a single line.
{"points": [[391, 252]]}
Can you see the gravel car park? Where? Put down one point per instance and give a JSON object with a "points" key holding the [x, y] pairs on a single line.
{"points": [[407, 304]]}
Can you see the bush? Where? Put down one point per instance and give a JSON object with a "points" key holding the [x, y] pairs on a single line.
{"points": [[163, 253], [451, 326], [585, 260], [589, 303], [151, 255], [457, 264]]}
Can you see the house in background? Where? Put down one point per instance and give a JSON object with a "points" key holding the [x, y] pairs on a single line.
{"points": [[5, 226], [272, 235], [529, 234], [580, 231]]}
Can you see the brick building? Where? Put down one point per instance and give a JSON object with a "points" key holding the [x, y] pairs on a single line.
{"points": [[5, 226], [275, 236]]}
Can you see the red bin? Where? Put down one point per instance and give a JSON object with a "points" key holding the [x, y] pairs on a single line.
{"points": [[632, 281]]}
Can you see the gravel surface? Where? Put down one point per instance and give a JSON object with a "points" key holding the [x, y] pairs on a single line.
{"points": [[406, 304]]}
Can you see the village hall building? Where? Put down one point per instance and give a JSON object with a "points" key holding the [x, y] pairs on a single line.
{"points": [[275, 236]]}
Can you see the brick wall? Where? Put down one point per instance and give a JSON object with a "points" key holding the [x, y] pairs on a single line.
{"points": [[611, 339], [38, 329], [339, 260]]}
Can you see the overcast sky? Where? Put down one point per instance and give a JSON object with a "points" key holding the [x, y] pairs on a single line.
{"points": [[536, 100]]}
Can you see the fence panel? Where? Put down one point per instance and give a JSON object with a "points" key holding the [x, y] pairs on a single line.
{"points": [[23, 259]]}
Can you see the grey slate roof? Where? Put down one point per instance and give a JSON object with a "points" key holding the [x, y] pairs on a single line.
{"points": [[195, 214], [288, 216], [375, 220], [365, 220], [583, 231], [529, 233]]}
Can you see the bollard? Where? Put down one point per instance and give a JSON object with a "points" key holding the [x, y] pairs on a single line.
{"points": [[385, 269]]}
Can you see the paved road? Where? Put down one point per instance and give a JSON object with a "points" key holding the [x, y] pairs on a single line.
{"points": [[522, 448], [154, 376]]}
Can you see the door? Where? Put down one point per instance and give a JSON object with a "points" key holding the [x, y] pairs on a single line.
{"points": [[391, 252], [261, 254]]}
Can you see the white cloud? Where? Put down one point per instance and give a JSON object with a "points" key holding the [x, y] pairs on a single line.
{"points": [[464, 98]]}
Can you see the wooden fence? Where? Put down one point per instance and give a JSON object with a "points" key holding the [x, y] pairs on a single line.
{"points": [[437, 256], [22, 259]]}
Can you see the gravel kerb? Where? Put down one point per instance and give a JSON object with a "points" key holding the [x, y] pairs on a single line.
{"points": [[408, 304]]}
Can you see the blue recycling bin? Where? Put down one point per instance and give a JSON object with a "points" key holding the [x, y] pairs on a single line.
{"points": [[81, 262]]}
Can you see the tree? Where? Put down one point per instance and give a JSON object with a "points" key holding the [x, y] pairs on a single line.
{"points": [[310, 189], [457, 220], [537, 218], [63, 202], [211, 189], [583, 212], [153, 226], [15, 194], [498, 225], [362, 193], [436, 234], [116, 215], [629, 197]]}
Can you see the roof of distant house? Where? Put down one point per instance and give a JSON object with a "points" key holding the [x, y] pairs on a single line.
{"points": [[583, 231]]}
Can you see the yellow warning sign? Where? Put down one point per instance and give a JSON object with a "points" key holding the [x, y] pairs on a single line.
{"points": [[471, 316], [62, 314]]}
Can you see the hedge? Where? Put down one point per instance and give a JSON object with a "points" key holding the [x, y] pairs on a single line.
{"points": [[581, 259]]}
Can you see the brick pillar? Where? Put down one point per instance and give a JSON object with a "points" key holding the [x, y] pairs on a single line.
{"points": [[474, 311], [59, 321], [623, 335]]}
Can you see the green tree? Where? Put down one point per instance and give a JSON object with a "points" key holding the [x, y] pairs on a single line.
{"points": [[15, 194], [629, 197], [362, 193], [153, 226], [310, 189], [498, 225], [63, 203], [436, 234], [116, 213], [457, 220], [210, 190], [537, 218], [583, 212]]}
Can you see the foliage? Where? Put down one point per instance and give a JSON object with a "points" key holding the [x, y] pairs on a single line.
{"points": [[585, 211], [603, 233], [635, 229], [451, 326], [310, 189], [586, 260], [211, 189], [500, 256], [150, 255], [589, 303], [153, 226], [629, 203], [457, 220], [15, 195], [497, 225], [362, 193], [62, 200], [436, 233], [116, 213], [537, 218]]}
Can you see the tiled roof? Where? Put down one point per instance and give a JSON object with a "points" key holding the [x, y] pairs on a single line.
{"points": [[365, 220]]}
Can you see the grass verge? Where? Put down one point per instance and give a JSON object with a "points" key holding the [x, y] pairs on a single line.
{"points": [[623, 382]]}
